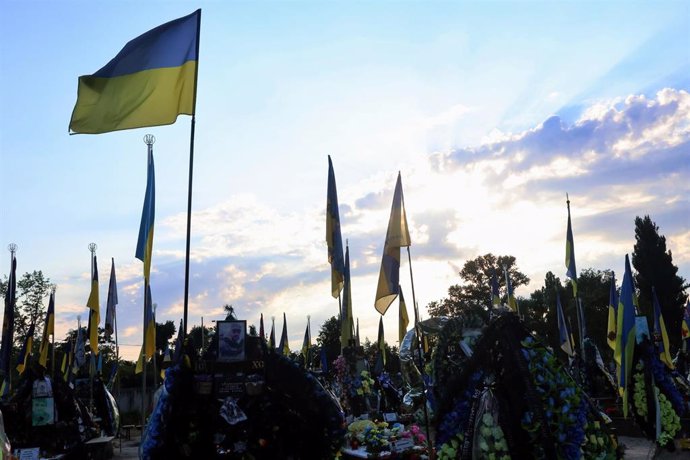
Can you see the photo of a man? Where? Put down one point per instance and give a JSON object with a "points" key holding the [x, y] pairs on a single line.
{"points": [[231, 340]]}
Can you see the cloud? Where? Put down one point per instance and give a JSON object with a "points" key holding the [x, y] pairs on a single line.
{"points": [[621, 158], [607, 135]]}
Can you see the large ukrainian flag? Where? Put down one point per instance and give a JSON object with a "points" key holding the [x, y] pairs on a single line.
{"points": [[149, 83], [625, 335], [397, 236], [144, 249], [334, 237]]}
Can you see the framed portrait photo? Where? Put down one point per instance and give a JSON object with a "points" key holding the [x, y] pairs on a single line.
{"points": [[231, 340]]}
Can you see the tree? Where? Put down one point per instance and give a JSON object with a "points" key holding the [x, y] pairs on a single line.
{"points": [[195, 337], [164, 332], [329, 338], [654, 266], [32, 288], [540, 311], [474, 294], [593, 288]]}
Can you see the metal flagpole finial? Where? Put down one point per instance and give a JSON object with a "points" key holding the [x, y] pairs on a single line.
{"points": [[12, 248], [92, 248], [149, 139]]}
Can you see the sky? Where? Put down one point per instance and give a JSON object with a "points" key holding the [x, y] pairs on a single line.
{"points": [[491, 111]]}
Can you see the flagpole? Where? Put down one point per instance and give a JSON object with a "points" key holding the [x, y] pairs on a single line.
{"points": [[191, 170], [149, 140], [53, 288], [92, 248], [419, 351], [155, 352]]}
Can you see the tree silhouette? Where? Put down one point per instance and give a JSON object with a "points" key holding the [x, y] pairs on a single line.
{"points": [[654, 266], [474, 294]]}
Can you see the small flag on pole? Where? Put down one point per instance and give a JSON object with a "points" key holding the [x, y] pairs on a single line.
{"points": [[48, 330], [79, 350], [346, 320], [94, 309], [284, 346], [660, 334], [112, 302], [140, 361], [495, 295], [397, 236], [8, 325], [306, 345], [382, 342], [685, 324], [334, 237], [272, 336], [565, 337], [25, 353], [149, 83], [261, 328], [625, 337], [403, 319], [512, 303], [570, 253], [613, 313]]}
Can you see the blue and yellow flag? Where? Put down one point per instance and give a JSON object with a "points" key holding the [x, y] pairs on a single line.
{"points": [[403, 318], [625, 337], [660, 334], [141, 361], [613, 311], [272, 336], [284, 346], [79, 349], [512, 302], [397, 236], [8, 324], [381, 343], [67, 358], [110, 320], [145, 241], [570, 254], [48, 330], [495, 294], [306, 344], [685, 324], [149, 83], [334, 237], [25, 353], [149, 324], [94, 309], [346, 320], [565, 337], [261, 327]]}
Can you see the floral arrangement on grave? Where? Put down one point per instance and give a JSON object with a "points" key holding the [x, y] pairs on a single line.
{"points": [[355, 385], [514, 399], [376, 437], [654, 389]]}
